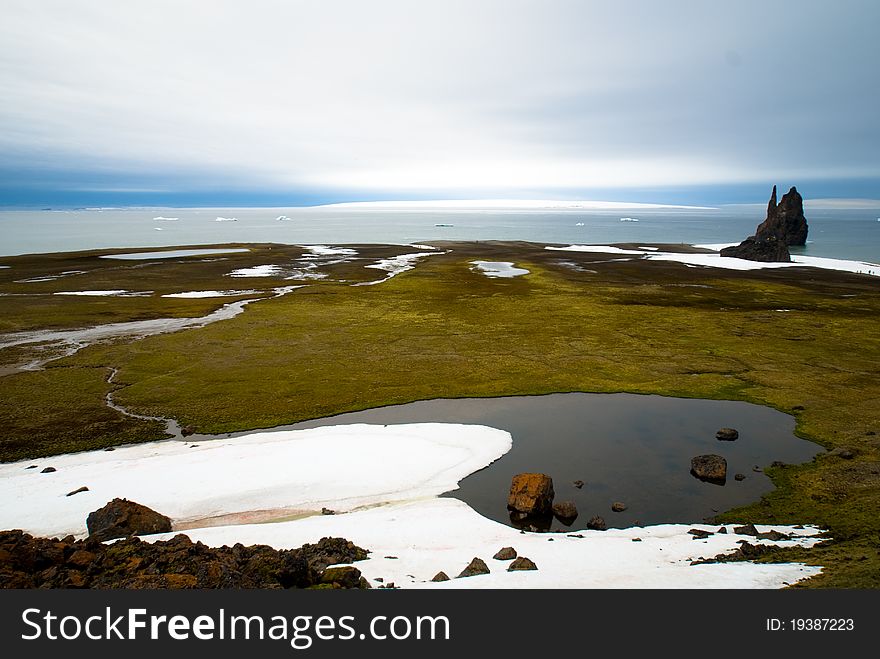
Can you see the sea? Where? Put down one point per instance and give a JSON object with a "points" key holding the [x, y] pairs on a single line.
{"points": [[852, 234]]}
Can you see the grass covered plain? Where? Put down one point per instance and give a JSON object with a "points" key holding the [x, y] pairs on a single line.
{"points": [[801, 340]]}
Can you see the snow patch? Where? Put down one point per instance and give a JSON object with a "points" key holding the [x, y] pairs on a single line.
{"points": [[111, 293], [600, 249], [499, 269], [395, 265], [257, 271], [338, 467], [445, 534], [200, 294]]}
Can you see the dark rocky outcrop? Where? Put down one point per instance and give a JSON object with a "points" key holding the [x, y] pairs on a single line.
{"points": [[29, 562], [121, 518], [766, 250], [521, 563], [746, 552], [785, 221], [342, 576], [531, 494], [784, 225], [709, 468], [618, 506], [578, 484], [505, 554], [441, 576], [739, 477], [475, 567]]}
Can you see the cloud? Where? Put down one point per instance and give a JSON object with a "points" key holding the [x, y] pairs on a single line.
{"points": [[433, 96]]}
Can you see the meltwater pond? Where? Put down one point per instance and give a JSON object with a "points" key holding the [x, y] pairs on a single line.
{"points": [[625, 447]]}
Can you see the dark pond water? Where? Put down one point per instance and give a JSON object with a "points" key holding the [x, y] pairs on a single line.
{"points": [[625, 447]]}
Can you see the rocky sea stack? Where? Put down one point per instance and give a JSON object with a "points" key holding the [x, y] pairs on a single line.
{"points": [[784, 225]]}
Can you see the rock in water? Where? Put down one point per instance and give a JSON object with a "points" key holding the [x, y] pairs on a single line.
{"points": [[122, 518], [475, 567], [521, 563], [711, 468], [784, 225], [531, 494], [727, 434], [618, 506], [597, 523], [565, 511]]}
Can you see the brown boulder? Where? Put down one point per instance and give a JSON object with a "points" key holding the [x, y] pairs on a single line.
{"points": [[475, 567], [565, 510], [521, 563], [121, 518], [531, 494], [710, 468], [440, 576], [597, 523], [727, 434], [344, 576], [505, 554], [618, 506]]}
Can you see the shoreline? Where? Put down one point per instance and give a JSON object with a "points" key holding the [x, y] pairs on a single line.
{"points": [[411, 535]]}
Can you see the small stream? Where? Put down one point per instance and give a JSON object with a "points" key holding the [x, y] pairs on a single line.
{"points": [[63, 343]]}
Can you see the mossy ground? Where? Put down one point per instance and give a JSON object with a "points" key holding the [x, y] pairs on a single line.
{"points": [[577, 322]]}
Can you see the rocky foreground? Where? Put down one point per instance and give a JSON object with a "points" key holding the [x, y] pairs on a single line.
{"points": [[29, 562]]}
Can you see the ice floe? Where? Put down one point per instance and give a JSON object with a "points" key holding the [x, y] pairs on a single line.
{"points": [[166, 219], [226, 219], [499, 269]]}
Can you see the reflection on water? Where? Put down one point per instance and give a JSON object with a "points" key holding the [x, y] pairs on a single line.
{"points": [[626, 448]]}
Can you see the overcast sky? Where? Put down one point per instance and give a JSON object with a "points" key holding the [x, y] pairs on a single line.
{"points": [[359, 99]]}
